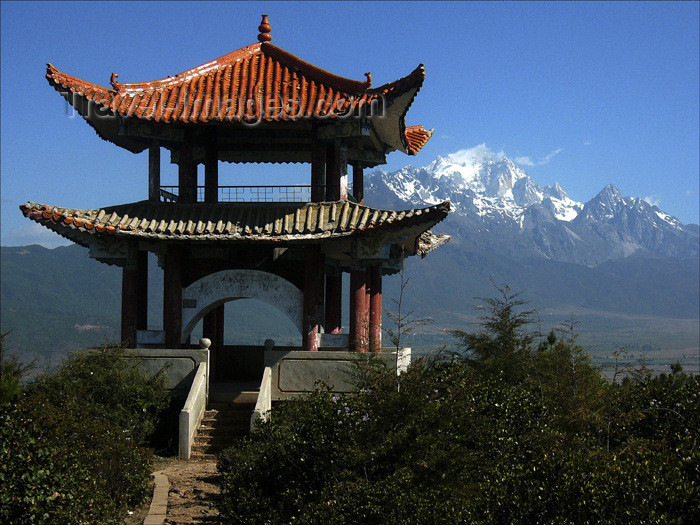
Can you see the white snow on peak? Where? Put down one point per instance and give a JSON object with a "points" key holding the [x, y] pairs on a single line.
{"points": [[565, 209], [478, 169], [667, 218], [464, 175], [479, 180]]}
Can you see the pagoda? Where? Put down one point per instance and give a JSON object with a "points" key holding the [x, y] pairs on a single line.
{"points": [[287, 245]]}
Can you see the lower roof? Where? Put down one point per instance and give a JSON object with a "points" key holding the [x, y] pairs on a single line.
{"points": [[238, 222]]}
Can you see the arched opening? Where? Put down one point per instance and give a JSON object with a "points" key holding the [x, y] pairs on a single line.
{"points": [[254, 300], [208, 293], [250, 322], [247, 324]]}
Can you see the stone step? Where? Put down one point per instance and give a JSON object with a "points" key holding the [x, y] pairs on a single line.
{"points": [[199, 456], [222, 425], [226, 413], [216, 440], [230, 407], [222, 395], [230, 423], [226, 417], [240, 428], [208, 448], [234, 431], [233, 405], [218, 414], [220, 430]]}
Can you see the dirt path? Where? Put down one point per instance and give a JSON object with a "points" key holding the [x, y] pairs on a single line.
{"points": [[193, 492]]}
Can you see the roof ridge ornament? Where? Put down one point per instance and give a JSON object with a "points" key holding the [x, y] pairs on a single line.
{"points": [[368, 82], [113, 81], [264, 29]]}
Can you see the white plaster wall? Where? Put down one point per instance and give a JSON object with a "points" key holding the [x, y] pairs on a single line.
{"points": [[220, 287]]}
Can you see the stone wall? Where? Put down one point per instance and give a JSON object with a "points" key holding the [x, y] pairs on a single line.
{"points": [[296, 372], [180, 365]]}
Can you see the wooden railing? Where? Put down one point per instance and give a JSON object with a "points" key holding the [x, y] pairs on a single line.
{"points": [[271, 193]]}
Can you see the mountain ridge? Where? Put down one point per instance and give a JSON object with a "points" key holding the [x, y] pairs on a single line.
{"points": [[493, 196]]}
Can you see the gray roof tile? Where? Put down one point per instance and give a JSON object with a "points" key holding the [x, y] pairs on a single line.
{"points": [[148, 220]]}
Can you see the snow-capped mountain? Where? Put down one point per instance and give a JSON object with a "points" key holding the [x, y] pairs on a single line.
{"points": [[633, 224], [485, 186], [499, 207]]}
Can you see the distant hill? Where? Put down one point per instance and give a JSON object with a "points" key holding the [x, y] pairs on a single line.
{"points": [[54, 300], [57, 299]]}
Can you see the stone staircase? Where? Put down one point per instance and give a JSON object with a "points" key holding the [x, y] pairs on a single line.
{"points": [[224, 423]]}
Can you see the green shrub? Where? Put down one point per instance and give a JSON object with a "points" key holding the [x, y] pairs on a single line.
{"points": [[108, 385], [71, 444], [59, 467], [514, 429], [412, 449], [11, 372], [119, 467], [663, 410], [40, 482], [443, 443]]}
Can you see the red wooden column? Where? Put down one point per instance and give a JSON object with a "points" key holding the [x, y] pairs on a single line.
{"points": [[154, 171], [359, 311], [211, 168], [375, 308], [130, 299], [134, 296], [142, 291], [318, 168], [337, 171], [187, 171], [368, 282], [342, 153], [334, 301], [213, 328], [312, 290], [321, 295], [358, 183], [172, 296]]}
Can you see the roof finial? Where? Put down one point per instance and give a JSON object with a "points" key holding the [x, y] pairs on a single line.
{"points": [[113, 81], [264, 29]]}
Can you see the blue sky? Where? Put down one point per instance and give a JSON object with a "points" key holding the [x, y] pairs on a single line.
{"points": [[584, 94]]}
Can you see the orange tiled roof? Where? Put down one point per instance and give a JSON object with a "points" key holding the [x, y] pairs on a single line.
{"points": [[260, 82], [417, 137], [146, 220]]}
